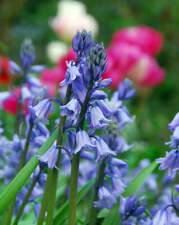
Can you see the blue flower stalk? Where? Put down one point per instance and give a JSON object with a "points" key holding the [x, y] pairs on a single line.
{"points": [[27, 57]]}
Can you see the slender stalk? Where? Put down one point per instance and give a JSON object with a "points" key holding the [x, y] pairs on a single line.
{"points": [[18, 116], [49, 202], [24, 153], [44, 201], [75, 163], [21, 209], [73, 188], [92, 216]]}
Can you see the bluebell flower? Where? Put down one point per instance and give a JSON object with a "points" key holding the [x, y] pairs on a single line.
{"points": [[79, 88], [118, 186], [98, 95], [161, 217], [96, 61], [175, 122], [27, 53], [82, 43], [14, 68], [105, 107], [106, 198], [83, 141], [71, 74], [117, 162], [104, 83], [130, 207], [177, 188], [123, 118], [170, 162], [41, 110], [125, 90], [102, 149], [121, 145], [37, 207], [37, 68], [71, 109], [25, 92], [35, 86], [77, 44], [50, 157], [96, 119], [110, 107], [174, 139]]}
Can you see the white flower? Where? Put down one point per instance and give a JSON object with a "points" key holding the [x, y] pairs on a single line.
{"points": [[72, 17], [55, 50]]}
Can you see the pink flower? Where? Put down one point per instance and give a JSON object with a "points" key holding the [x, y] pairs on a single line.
{"points": [[131, 54], [146, 38], [146, 72], [121, 58], [52, 77]]}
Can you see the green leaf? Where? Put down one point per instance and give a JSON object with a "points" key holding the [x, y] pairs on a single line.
{"points": [[16, 184], [134, 186], [113, 218], [62, 213]]}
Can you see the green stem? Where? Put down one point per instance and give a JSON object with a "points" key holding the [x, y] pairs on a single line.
{"points": [[92, 216], [52, 197], [24, 153], [18, 116], [21, 209], [73, 188], [49, 202], [44, 201]]}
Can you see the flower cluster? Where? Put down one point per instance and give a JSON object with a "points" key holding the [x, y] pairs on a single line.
{"points": [[171, 160], [29, 84], [87, 144]]}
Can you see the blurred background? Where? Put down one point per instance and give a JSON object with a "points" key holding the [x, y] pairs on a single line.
{"points": [[154, 106]]}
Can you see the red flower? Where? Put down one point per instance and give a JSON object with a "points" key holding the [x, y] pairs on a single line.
{"points": [[52, 77], [146, 38], [11, 103], [4, 70]]}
